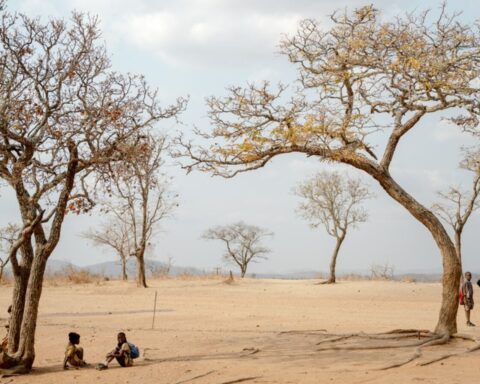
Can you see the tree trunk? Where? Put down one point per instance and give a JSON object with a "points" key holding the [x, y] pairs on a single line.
{"points": [[141, 279], [458, 249], [447, 321], [124, 268], [26, 349], [333, 262], [243, 271], [18, 307]]}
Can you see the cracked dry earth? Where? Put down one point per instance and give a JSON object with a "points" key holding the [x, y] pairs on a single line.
{"points": [[252, 331]]}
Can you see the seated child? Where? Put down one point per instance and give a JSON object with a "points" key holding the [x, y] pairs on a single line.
{"points": [[73, 354], [122, 353]]}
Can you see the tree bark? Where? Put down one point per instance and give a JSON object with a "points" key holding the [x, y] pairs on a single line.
{"points": [[124, 267], [333, 262], [243, 271], [458, 249], [26, 349], [447, 321], [18, 307], [141, 279]]}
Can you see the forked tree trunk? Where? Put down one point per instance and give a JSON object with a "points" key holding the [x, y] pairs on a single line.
{"points": [[333, 261], [18, 306], [25, 354], [243, 271], [447, 321]]}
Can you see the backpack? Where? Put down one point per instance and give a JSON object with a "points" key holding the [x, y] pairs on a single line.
{"points": [[134, 351]]}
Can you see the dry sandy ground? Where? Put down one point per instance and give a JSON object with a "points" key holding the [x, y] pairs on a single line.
{"points": [[209, 332]]}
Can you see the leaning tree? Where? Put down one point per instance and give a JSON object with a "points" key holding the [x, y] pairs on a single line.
{"points": [[243, 243], [334, 201], [65, 118], [362, 81], [457, 205]]}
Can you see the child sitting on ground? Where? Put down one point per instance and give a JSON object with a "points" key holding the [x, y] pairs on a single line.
{"points": [[123, 353], [73, 354]]}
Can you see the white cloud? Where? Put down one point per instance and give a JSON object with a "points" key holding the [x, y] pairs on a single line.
{"points": [[202, 37]]}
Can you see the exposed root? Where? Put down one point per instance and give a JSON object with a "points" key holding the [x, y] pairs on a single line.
{"points": [[401, 331], [338, 338], [196, 377], [439, 340], [241, 380], [426, 342], [448, 355], [307, 331], [415, 356]]}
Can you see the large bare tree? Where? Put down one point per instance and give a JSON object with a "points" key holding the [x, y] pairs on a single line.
{"points": [[142, 198], [362, 81], [114, 234], [243, 243], [334, 201], [457, 205], [65, 119], [8, 234]]}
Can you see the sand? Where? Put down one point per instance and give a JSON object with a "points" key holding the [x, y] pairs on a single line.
{"points": [[207, 331]]}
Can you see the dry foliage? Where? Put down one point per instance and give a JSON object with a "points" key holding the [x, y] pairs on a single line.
{"points": [[363, 84]]}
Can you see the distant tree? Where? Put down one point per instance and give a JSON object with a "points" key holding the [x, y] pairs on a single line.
{"points": [[457, 205], [364, 83], [243, 243], [8, 235], [115, 234], [141, 198], [333, 200], [65, 119]]}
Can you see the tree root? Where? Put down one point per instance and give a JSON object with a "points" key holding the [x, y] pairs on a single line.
{"points": [[241, 380], [196, 377], [448, 355], [415, 356], [307, 332], [439, 340], [426, 339], [426, 342]]}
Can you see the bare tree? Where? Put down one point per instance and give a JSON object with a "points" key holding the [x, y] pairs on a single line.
{"points": [[359, 82], [142, 198], [334, 201], [243, 243], [65, 119], [114, 234], [457, 205], [8, 234], [382, 271]]}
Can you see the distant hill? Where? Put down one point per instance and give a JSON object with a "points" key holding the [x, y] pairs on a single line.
{"points": [[112, 269]]}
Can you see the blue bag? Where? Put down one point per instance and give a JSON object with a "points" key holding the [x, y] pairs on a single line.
{"points": [[134, 351]]}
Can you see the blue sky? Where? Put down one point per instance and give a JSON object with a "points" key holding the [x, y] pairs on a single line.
{"points": [[198, 48]]}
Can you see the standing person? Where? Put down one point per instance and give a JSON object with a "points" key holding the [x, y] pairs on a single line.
{"points": [[467, 290], [73, 354], [122, 353]]}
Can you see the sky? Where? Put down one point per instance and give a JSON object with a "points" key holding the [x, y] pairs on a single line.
{"points": [[200, 47]]}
